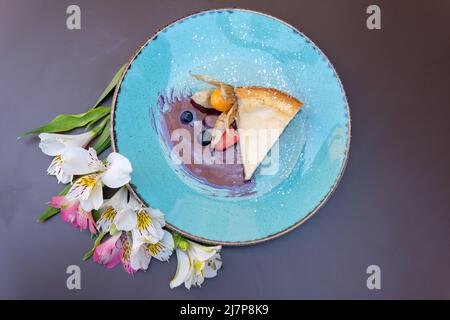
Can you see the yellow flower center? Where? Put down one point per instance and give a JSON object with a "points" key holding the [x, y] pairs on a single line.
{"points": [[109, 214], [87, 182], [143, 220], [58, 159], [198, 265], [126, 251], [154, 249]]}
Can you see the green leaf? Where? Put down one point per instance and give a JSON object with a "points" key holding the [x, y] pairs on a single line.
{"points": [[50, 211], [96, 244], [110, 86], [90, 124], [66, 122], [98, 129], [96, 214], [103, 142]]}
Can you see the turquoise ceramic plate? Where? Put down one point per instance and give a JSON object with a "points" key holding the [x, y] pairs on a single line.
{"points": [[239, 47]]}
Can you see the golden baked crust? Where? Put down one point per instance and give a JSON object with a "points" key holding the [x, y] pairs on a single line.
{"points": [[271, 97]]}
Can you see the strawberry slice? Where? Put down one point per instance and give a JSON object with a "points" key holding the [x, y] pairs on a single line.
{"points": [[229, 138]]}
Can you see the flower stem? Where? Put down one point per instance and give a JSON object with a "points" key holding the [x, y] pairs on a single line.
{"points": [[97, 241], [103, 142]]}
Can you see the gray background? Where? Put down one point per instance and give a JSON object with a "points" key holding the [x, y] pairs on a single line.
{"points": [[391, 208]]}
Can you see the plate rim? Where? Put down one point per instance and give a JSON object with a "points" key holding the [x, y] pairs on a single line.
{"points": [[322, 202]]}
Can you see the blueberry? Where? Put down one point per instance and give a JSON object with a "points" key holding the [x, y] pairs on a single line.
{"points": [[186, 117], [234, 125], [206, 137]]}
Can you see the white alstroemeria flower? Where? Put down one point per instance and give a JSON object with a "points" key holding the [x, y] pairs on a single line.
{"points": [[53, 144], [56, 144], [161, 250], [139, 258], [116, 212], [114, 172], [146, 224], [79, 161], [195, 263]]}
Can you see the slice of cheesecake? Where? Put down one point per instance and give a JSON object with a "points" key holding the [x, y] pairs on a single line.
{"points": [[262, 116]]}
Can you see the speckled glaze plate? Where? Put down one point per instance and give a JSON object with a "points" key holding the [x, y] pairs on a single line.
{"points": [[239, 47]]}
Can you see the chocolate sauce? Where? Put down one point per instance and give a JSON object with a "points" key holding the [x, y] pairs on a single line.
{"points": [[219, 169]]}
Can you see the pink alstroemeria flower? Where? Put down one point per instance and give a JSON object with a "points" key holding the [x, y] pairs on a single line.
{"points": [[72, 212], [118, 249], [109, 252], [126, 255]]}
